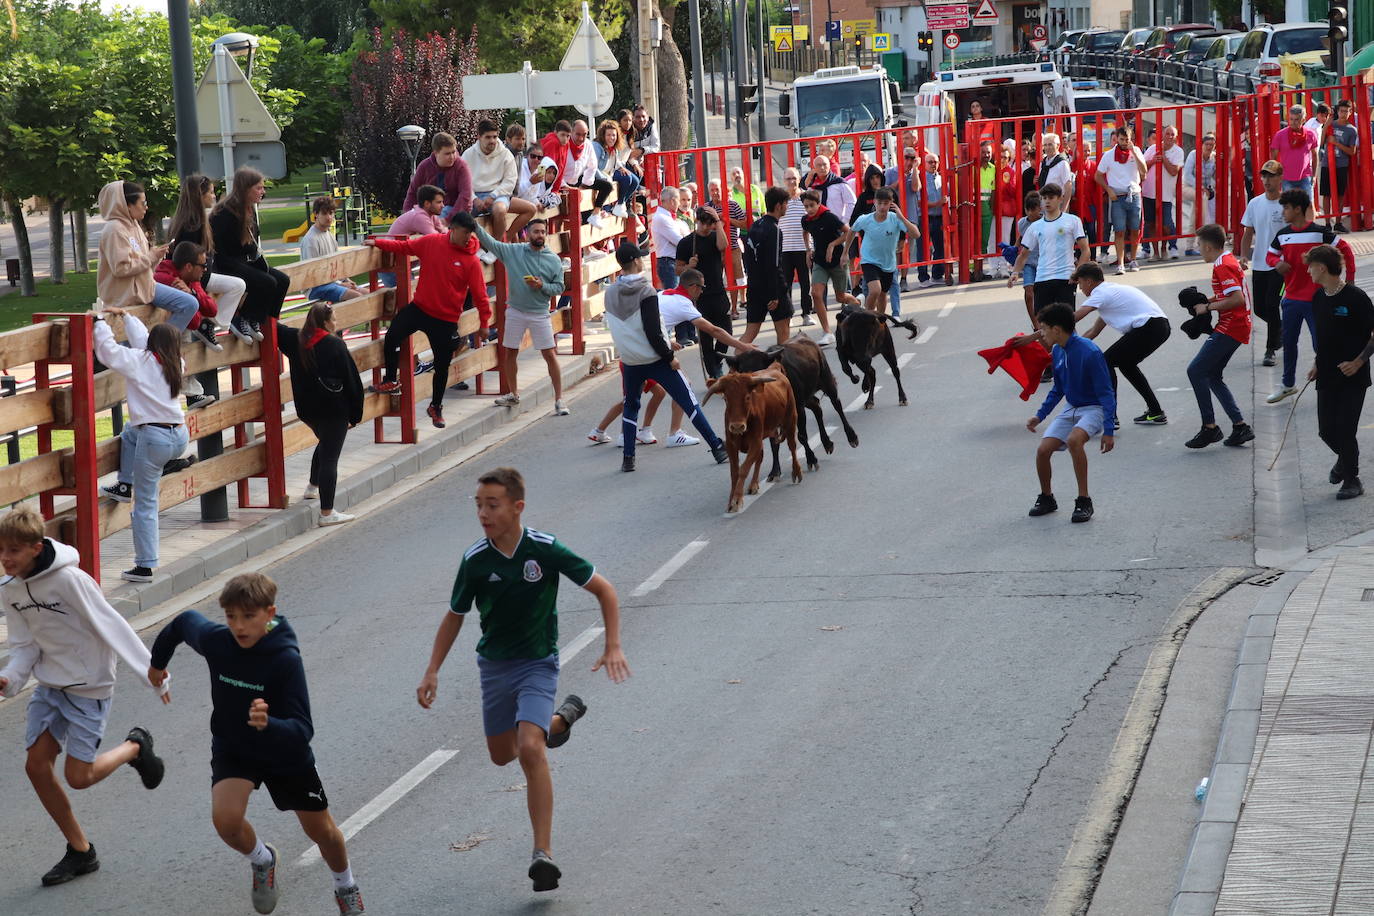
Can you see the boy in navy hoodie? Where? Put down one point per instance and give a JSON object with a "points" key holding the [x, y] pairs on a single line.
{"points": [[261, 730]]}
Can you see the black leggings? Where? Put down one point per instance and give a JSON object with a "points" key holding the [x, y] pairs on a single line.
{"points": [[408, 320], [601, 189], [1338, 423], [266, 287], [324, 463], [715, 308], [1130, 351], [794, 266], [1268, 288]]}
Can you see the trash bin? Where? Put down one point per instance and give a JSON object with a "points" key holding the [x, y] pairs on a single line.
{"points": [[1315, 76], [894, 62], [12, 271]]}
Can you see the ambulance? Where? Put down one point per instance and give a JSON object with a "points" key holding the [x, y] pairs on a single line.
{"points": [[1032, 90]]}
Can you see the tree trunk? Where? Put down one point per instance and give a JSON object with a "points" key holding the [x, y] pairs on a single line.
{"points": [[57, 249], [21, 241], [82, 243], [672, 87]]}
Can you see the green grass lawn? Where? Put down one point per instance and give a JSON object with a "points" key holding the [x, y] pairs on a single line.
{"points": [[273, 222], [295, 188], [61, 438], [76, 295]]}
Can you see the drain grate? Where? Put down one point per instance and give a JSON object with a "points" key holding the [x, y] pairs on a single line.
{"points": [[1367, 595], [1272, 576]]}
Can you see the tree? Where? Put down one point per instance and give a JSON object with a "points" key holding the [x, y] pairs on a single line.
{"points": [[404, 79], [672, 82], [321, 79], [332, 21]]}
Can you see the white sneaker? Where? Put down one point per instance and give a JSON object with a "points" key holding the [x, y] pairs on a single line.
{"points": [[594, 220], [335, 518], [311, 491], [926, 283], [1133, 266], [679, 439], [827, 340], [560, 409], [1120, 270], [1280, 393], [1173, 254], [598, 437], [808, 321], [486, 257], [507, 400], [620, 211], [645, 436]]}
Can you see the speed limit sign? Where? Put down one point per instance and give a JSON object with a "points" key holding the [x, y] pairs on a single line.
{"points": [[951, 40], [1039, 32]]}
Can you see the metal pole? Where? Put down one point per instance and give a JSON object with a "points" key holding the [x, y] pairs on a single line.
{"points": [[698, 76], [763, 76], [214, 506], [741, 64], [725, 53]]}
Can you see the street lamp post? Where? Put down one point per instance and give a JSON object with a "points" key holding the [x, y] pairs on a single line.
{"points": [[410, 136]]}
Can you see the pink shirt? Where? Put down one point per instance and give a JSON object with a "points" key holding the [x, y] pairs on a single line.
{"points": [[1296, 160], [416, 221]]}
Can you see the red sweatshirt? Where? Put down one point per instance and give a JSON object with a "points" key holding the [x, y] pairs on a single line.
{"points": [[447, 274], [167, 274], [558, 152], [1291, 245]]}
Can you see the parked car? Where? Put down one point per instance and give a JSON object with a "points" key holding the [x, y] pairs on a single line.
{"points": [[1257, 57], [1100, 42], [1062, 45], [1101, 115], [1180, 70], [1214, 68], [1158, 46], [1134, 40]]}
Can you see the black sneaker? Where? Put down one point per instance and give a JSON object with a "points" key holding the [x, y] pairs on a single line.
{"points": [[720, 454], [461, 386], [1351, 489], [1045, 503], [1151, 419], [1269, 359], [1205, 437], [1047, 375], [1340, 228], [177, 465], [149, 765], [241, 329], [137, 574], [436, 415], [627, 463], [572, 709], [1241, 433], [205, 333], [73, 865], [543, 872], [423, 366], [194, 401], [1336, 475], [256, 328], [120, 492], [1082, 509]]}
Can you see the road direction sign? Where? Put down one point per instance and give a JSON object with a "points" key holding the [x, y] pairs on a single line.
{"points": [[605, 95], [951, 40], [588, 49], [860, 26], [986, 14], [947, 16], [882, 41], [268, 157], [834, 29], [546, 89]]}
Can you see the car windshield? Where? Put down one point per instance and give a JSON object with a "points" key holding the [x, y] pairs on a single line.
{"points": [[1296, 41], [1105, 41], [1094, 103], [839, 108]]}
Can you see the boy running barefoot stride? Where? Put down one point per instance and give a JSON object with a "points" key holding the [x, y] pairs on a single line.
{"points": [[261, 730], [512, 575], [64, 633]]}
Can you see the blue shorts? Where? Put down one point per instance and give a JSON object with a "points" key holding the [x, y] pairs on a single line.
{"points": [[1028, 275], [1125, 214], [517, 690], [488, 195], [1089, 419], [328, 292], [78, 723]]}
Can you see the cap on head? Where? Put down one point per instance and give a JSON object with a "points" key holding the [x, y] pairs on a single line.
{"points": [[628, 253], [1272, 167]]}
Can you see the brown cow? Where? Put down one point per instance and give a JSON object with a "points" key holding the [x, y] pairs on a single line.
{"points": [[758, 405]]}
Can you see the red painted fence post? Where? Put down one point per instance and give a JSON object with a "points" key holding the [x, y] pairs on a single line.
{"points": [[578, 288], [81, 351]]}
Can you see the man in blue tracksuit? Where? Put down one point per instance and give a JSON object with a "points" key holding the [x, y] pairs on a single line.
{"points": [[636, 327], [1082, 377]]}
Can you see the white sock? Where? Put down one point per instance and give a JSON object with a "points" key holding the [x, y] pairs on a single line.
{"points": [[260, 855], [343, 880]]}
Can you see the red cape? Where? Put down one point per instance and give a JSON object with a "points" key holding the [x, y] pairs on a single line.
{"points": [[1024, 364]]}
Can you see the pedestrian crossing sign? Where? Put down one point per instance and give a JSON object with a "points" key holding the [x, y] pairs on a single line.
{"points": [[882, 41]]}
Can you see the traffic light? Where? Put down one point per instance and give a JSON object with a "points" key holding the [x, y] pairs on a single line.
{"points": [[925, 41], [746, 94], [1337, 20], [858, 46]]}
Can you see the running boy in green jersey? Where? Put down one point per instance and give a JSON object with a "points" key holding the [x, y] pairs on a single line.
{"points": [[512, 575]]}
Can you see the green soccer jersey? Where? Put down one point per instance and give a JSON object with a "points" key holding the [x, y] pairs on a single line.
{"points": [[517, 596]]}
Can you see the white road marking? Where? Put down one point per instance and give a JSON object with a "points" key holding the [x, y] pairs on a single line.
{"points": [[664, 572], [859, 401], [904, 359], [1168, 389], [783, 457], [578, 643], [389, 796], [945, 312], [928, 333]]}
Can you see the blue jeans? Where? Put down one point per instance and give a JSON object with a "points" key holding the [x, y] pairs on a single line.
{"points": [[626, 184], [894, 298], [143, 450], [1294, 313], [667, 272], [1204, 372], [328, 292], [936, 230], [1166, 218], [1124, 213], [633, 379], [1302, 184], [183, 306], [386, 278]]}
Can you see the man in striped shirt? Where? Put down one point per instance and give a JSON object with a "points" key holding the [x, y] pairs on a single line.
{"points": [[1287, 255]]}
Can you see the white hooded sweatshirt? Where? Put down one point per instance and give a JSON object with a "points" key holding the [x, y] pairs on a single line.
{"points": [[64, 632]]}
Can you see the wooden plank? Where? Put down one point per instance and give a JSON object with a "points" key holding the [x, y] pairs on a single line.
{"points": [[317, 271], [27, 345], [28, 408], [472, 363], [31, 477], [225, 413], [360, 311], [106, 458], [599, 268], [469, 322], [594, 305], [562, 321]]}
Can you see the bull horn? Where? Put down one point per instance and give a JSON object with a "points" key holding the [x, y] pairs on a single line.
{"points": [[757, 380]]}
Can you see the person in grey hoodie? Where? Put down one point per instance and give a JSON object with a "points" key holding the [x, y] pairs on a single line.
{"points": [[63, 632], [636, 327]]}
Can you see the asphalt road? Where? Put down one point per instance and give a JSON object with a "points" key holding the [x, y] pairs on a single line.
{"points": [[883, 690]]}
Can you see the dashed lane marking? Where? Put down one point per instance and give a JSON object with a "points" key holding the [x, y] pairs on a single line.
{"points": [[665, 572], [928, 333]]}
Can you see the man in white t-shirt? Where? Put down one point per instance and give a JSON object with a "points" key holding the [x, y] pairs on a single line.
{"points": [[1263, 219], [1139, 321], [1060, 243], [1163, 163], [1118, 173]]}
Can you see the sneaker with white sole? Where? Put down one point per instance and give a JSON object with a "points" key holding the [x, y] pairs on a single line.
{"points": [[594, 220], [1280, 393], [645, 436], [137, 574], [241, 329], [598, 437], [619, 211], [827, 340], [265, 891], [507, 400], [335, 518], [311, 492], [560, 409], [350, 900], [808, 321], [679, 439], [1120, 270], [120, 492], [1174, 255], [1133, 265]]}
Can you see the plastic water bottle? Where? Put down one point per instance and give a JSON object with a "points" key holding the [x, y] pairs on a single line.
{"points": [[1200, 793]]}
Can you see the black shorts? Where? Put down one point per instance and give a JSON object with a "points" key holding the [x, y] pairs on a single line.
{"points": [[756, 309], [1340, 184], [291, 790], [874, 272], [1048, 292]]}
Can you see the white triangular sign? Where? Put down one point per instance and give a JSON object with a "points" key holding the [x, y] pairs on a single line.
{"points": [[986, 10], [249, 119], [588, 49]]}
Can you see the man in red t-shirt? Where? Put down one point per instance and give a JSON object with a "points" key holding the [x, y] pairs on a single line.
{"points": [[1232, 330]]}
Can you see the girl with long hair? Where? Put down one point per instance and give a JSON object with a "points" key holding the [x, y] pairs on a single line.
{"points": [[329, 399], [191, 223], [612, 160], [124, 273], [154, 433], [234, 233]]}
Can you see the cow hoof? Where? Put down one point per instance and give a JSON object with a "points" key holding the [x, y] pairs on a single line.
{"points": [[829, 447], [732, 507], [813, 465], [797, 477], [902, 402], [853, 441], [854, 379], [868, 406], [754, 489]]}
